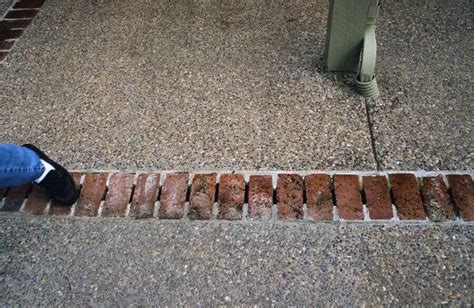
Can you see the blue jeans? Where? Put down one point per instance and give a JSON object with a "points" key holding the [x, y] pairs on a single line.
{"points": [[18, 165]]}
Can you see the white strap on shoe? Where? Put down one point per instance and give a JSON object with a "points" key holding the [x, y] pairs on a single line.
{"points": [[47, 168]]}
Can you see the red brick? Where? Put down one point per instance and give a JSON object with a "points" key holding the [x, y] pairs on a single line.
{"points": [[16, 14], [10, 34], [6, 45], [260, 197], [60, 209], [173, 195], [3, 55], [203, 190], [37, 201], [91, 194], [462, 190], [145, 195], [119, 194], [407, 197], [14, 24], [28, 4], [15, 197], [290, 196], [348, 198], [319, 197], [377, 196], [231, 196], [436, 199]]}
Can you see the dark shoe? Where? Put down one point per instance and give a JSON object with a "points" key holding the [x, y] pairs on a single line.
{"points": [[58, 183]]}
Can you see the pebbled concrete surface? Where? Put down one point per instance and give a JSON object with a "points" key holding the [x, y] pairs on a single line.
{"points": [[187, 85], [204, 85], [52, 261], [423, 119]]}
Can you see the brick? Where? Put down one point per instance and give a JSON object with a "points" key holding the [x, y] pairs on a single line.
{"points": [[290, 196], [319, 197], [260, 197], [10, 34], [14, 24], [173, 196], [6, 45], [119, 194], [37, 201], [91, 194], [407, 197], [231, 196], [3, 55], [348, 198], [15, 197], [377, 196], [203, 190], [436, 199], [64, 210], [28, 4], [462, 190], [145, 195], [16, 14]]}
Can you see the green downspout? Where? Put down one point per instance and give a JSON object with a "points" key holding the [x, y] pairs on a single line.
{"points": [[365, 80], [351, 44]]}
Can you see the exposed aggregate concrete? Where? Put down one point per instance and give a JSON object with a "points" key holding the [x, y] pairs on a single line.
{"points": [[203, 85], [52, 261], [423, 119], [188, 85]]}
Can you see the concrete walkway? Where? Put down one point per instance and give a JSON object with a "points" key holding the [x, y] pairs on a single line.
{"points": [[53, 261], [156, 85], [205, 85]]}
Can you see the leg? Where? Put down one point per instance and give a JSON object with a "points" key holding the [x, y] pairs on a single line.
{"points": [[18, 165]]}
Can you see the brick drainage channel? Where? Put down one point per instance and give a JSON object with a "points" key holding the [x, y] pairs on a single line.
{"points": [[14, 23], [303, 196]]}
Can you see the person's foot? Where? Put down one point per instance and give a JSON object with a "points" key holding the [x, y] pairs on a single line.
{"points": [[58, 183]]}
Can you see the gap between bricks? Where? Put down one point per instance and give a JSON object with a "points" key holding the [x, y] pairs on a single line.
{"points": [[247, 196]]}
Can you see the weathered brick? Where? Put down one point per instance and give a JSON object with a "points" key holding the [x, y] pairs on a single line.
{"points": [[203, 190], [6, 45], [173, 196], [145, 195], [91, 194], [436, 199], [348, 198], [260, 197], [10, 34], [319, 197], [15, 197], [14, 24], [231, 196], [377, 196], [16, 14], [37, 201], [407, 196], [64, 210], [118, 196], [290, 196], [28, 4], [462, 190]]}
